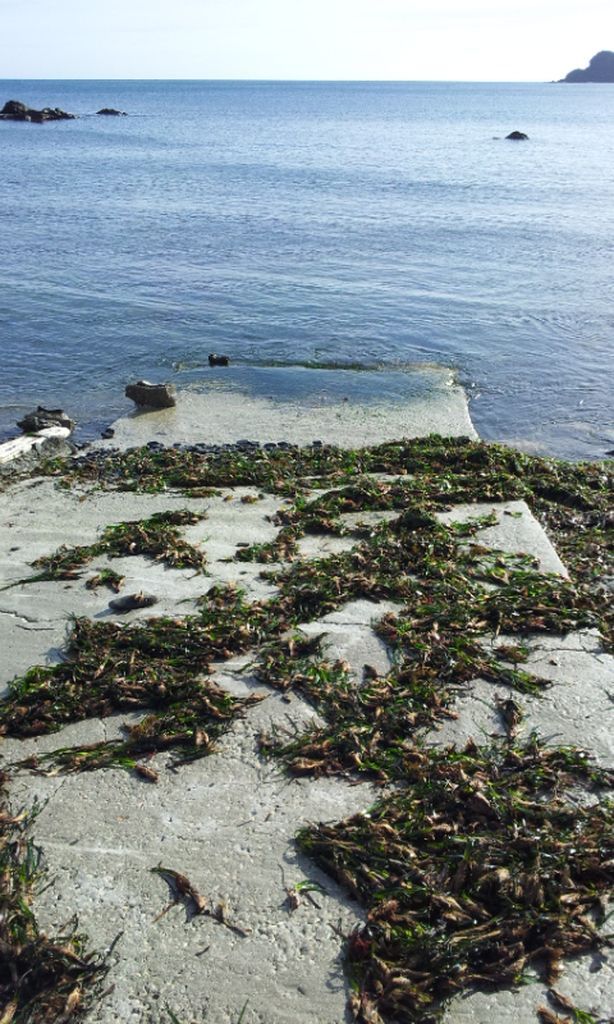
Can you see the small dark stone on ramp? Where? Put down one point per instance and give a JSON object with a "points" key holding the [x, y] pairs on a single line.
{"points": [[132, 601]]}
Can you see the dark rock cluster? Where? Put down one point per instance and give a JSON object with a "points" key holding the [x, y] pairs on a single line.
{"points": [[111, 112], [16, 111], [43, 418], [99, 455]]}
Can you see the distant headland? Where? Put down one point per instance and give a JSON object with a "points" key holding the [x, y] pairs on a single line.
{"points": [[600, 69]]}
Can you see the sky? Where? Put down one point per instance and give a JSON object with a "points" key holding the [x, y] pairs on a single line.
{"points": [[448, 40]]}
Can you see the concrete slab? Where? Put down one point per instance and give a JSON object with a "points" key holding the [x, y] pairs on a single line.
{"points": [[37, 518], [347, 635], [575, 710], [228, 821], [517, 531], [319, 545], [587, 981]]}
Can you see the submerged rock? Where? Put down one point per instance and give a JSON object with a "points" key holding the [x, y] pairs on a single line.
{"points": [[152, 396], [215, 360], [517, 136], [43, 418], [14, 110]]}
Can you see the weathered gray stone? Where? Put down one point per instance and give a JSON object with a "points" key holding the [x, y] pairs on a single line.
{"points": [[152, 396]]}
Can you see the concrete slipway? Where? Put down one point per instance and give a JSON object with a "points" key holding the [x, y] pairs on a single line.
{"points": [[228, 821]]}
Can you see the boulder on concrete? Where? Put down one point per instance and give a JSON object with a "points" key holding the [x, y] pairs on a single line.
{"points": [[152, 396]]}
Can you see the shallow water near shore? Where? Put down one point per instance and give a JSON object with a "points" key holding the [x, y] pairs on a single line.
{"points": [[300, 406], [370, 225]]}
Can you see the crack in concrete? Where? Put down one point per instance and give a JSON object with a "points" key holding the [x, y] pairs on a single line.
{"points": [[602, 657], [56, 844], [29, 620]]}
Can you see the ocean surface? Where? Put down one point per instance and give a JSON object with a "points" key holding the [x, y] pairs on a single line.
{"points": [[370, 226]]}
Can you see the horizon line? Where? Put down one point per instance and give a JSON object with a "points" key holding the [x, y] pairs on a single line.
{"points": [[311, 81]]}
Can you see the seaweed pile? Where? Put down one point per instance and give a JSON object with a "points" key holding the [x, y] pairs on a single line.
{"points": [[157, 537], [478, 863], [573, 500], [42, 978], [481, 866], [157, 665]]}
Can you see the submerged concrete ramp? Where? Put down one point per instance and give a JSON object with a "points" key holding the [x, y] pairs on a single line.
{"points": [[361, 406]]}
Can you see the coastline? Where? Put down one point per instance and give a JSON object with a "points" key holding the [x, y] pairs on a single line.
{"points": [[228, 820]]}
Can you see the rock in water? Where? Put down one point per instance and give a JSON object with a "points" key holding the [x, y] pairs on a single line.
{"points": [[111, 112], [42, 418], [152, 396], [517, 136], [14, 110], [215, 360]]}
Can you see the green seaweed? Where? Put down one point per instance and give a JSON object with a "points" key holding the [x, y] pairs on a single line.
{"points": [[479, 867], [157, 537]]}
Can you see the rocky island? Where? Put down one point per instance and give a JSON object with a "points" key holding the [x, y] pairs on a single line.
{"points": [[16, 111], [600, 69]]}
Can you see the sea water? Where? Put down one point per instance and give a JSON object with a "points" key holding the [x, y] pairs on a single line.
{"points": [[376, 226]]}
